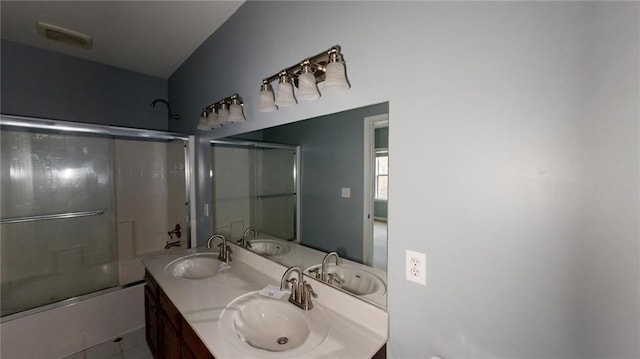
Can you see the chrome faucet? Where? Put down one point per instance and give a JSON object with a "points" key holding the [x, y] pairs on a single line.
{"points": [[244, 243], [324, 275], [301, 291], [225, 251]]}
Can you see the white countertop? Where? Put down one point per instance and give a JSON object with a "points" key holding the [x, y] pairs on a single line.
{"points": [[357, 329]]}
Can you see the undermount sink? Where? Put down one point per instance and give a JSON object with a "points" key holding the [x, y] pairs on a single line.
{"points": [[195, 266], [269, 247], [272, 328], [352, 279]]}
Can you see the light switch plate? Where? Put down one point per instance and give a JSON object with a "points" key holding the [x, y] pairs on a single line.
{"points": [[346, 192], [416, 267]]}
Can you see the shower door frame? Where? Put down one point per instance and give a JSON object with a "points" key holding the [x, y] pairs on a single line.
{"points": [[115, 132]]}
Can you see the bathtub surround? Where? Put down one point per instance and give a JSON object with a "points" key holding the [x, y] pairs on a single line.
{"points": [[53, 260]]}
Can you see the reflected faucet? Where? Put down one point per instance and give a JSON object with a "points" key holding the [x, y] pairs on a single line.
{"points": [[244, 243], [323, 274], [301, 291], [225, 251]]}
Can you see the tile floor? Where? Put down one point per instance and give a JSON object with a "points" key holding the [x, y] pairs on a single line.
{"points": [[131, 345]]}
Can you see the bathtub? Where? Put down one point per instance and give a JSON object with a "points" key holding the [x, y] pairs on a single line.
{"points": [[70, 326]]}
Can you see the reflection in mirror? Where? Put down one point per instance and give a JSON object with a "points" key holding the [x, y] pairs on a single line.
{"points": [[309, 188]]}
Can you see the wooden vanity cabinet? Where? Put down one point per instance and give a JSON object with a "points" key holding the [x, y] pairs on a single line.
{"points": [[169, 336]]}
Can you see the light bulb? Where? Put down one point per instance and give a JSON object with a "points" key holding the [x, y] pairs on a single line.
{"points": [[335, 78], [235, 111], [266, 102], [223, 113], [285, 97], [307, 88], [212, 119], [202, 123]]}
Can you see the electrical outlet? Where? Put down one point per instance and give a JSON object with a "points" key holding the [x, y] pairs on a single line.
{"points": [[346, 192], [416, 267]]}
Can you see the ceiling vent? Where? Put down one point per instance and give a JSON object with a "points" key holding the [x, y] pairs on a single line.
{"points": [[60, 34]]}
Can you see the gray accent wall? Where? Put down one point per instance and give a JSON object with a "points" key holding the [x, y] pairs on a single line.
{"points": [[514, 132], [47, 84]]}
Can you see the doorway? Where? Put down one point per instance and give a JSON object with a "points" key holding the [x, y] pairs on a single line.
{"points": [[376, 180]]}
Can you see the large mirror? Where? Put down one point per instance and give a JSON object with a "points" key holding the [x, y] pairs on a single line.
{"points": [[310, 188]]}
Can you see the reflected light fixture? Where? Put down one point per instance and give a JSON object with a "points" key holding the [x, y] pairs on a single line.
{"points": [[327, 67], [222, 113]]}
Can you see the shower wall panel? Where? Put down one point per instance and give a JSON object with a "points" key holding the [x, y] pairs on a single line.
{"points": [[150, 191]]}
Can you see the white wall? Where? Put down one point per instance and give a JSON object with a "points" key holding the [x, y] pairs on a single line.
{"points": [[514, 131]]}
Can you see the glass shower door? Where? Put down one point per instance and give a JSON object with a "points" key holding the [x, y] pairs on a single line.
{"points": [[57, 234], [254, 184], [274, 200]]}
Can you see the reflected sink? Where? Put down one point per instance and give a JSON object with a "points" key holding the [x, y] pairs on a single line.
{"points": [[272, 328], [269, 247], [195, 266], [352, 279]]}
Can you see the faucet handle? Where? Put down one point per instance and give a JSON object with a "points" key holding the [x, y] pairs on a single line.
{"points": [[229, 251], [308, 289], [307, 293]]}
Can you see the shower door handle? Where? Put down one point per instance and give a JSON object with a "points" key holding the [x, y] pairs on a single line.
{"points": [[45, 217]]}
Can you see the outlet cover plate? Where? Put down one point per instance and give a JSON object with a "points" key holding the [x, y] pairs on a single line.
{"points": [[416, 267]]}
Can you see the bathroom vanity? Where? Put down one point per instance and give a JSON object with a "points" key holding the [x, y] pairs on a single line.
{"points": [[194, 309]]}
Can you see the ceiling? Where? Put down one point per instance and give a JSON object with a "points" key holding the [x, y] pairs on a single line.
{"points": [[150, 37]]}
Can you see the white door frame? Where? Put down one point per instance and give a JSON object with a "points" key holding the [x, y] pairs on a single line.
{"points": [[370, 124]]}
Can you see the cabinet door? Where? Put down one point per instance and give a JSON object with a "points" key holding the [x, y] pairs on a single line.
{"points": [[169, 343], [151, 320], [193, 347]]}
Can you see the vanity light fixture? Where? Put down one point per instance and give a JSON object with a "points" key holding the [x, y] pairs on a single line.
{"points": [[222, 113], [327, 67]]}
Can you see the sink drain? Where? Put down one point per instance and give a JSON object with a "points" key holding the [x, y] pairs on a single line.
{"points": [[283, 340]]}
